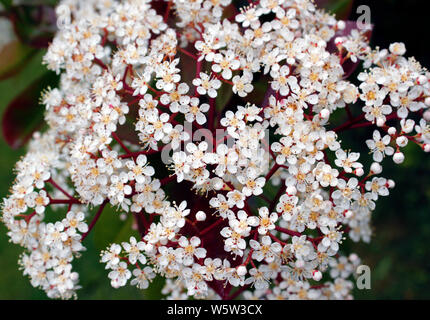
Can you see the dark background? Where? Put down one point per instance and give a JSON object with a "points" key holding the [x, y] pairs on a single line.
{"points": [[399, 254]]}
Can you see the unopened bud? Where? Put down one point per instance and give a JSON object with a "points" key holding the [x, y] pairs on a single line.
{"points": [[375, 168], [408, 125], [200, 216], [338, 41], [391, 131], [391, 183], [348, 214], [241, 270], [380, 122], [421, 80], [359, 172], [317, 275], [353, 257], [324, 114], [341, 25], [291, 190], [402, 141], [398, 157]]}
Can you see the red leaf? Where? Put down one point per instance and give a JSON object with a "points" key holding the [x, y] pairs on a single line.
{"points": [[24, 114]]}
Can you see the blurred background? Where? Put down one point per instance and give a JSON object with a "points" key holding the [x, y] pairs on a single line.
{"points": [[398, 255]]}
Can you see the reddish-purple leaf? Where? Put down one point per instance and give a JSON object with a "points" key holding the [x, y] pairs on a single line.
{"points": [[24, 114]]}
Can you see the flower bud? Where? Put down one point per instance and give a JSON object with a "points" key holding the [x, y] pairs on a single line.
{"points": [[421, 80], [426, 114], [391, 131], [359, 172], [291, 190], [316, 275], [402, 141], [375, 168], [407, 125], [338, 41], [341, 25], [391, 183], [380, 122], [241, 270], [324, 113], [398, 157], [200, 216], [426, 148], [348, 214], [353, 257]]}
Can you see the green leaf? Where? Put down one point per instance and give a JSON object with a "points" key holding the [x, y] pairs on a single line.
{"points": [[6, 3], [13, 86], [111, 229], [341, 8], [13, 58]]}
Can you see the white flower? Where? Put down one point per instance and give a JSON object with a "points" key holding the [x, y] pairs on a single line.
{"points": [[379, 146], [287, 206], [282, 80], [206, 85], [236, 198], [168, 76], [347, 161], [326, 175], [195, 111], [242, 85], [258, 278], [139, 169], [377, 113], [248, 15], [190, 249], [225, 63], [111, 256], [119, 275], [398, 48], [75, 222], [332, 238], [265, 250], [142, 277], [252, 186], [243, 223], [267, 222], [134, 249]]}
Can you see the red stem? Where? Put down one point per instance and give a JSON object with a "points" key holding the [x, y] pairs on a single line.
{"points": [[94, 221], [59, 188]]}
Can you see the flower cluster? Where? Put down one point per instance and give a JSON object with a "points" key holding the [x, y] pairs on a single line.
{"points": [[139, 79]]}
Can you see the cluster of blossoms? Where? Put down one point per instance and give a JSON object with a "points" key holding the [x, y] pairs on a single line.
{"points": [[140, 78]]}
